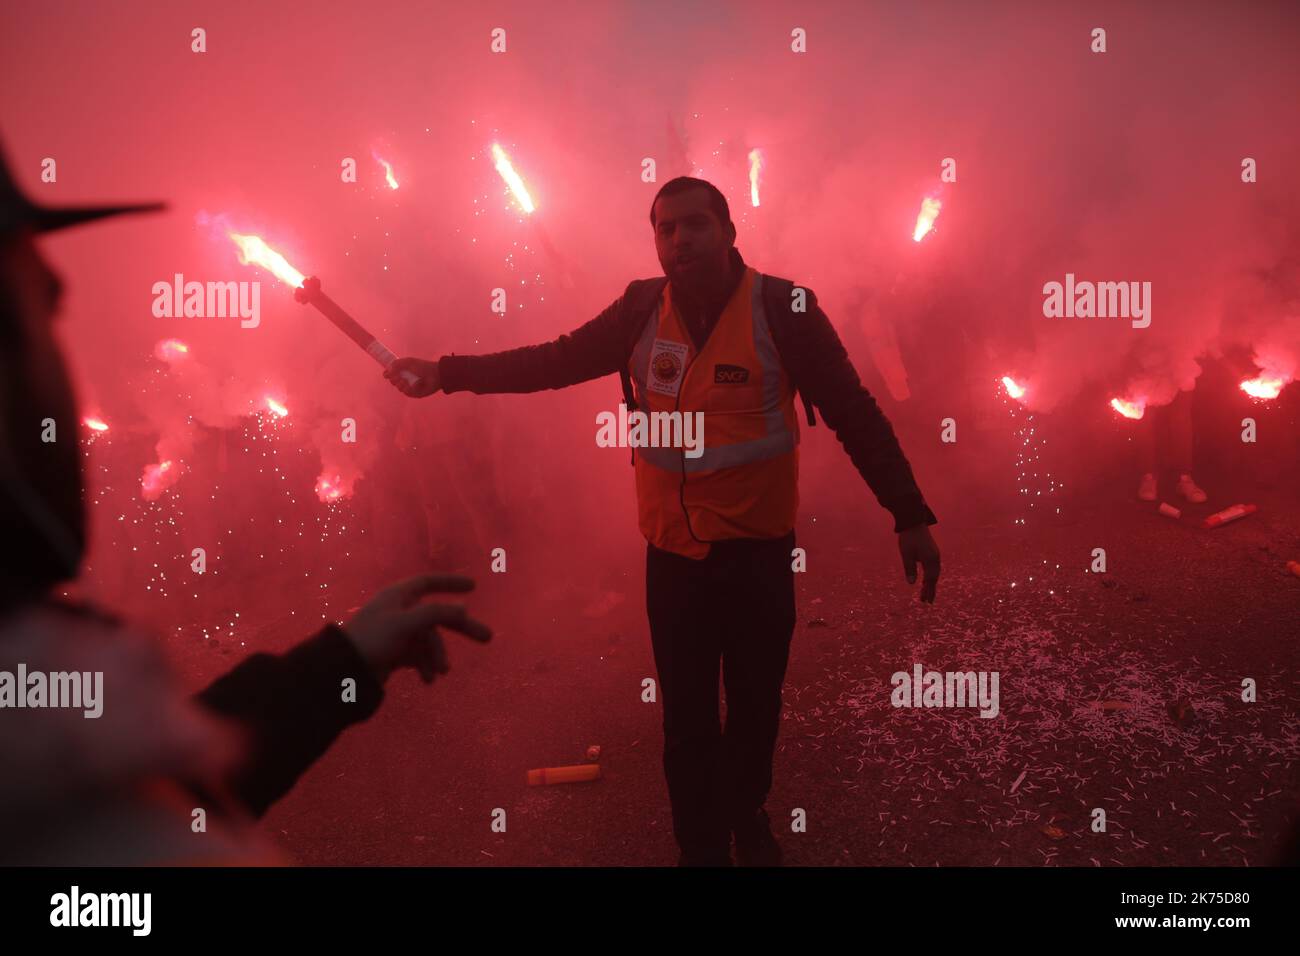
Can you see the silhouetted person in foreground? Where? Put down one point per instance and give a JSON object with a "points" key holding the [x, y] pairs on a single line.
{"points": [[718, 338], [123, 786]]}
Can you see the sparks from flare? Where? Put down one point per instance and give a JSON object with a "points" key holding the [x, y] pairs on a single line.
{"points": [[512, 179], [1029, 483], [254, 251], [930, 207]]}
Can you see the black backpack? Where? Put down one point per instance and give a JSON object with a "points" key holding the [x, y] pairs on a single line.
{"points": [[643, 295]]}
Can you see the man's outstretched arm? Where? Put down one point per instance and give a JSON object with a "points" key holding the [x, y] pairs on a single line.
{"points": [[598, 348]]}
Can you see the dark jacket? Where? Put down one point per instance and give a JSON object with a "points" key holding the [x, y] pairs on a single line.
{"points": [[291, 708], [118, 790], [811, 351]]}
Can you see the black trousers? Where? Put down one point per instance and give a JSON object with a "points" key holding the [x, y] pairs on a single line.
{"points": [[736, 608]]}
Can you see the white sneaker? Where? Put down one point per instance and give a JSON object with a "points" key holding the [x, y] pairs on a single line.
{"points": [[1147, 490], [1187, 488]]}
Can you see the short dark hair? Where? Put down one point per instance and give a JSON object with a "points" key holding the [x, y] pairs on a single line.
{"points": [[717, 201]]}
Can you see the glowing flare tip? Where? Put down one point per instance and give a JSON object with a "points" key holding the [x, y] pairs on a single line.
{"points": [[254, 251], [512, 178], [155, 479], [388, 171], [169, 350], [1133, 410], [329, 488], [925, 219], [1264, 387]]}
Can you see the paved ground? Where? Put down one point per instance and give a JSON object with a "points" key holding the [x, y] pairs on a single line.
{"points": [[1088, 666]]}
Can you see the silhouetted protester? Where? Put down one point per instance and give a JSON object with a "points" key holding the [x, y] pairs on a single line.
{"points": [[103, 758], [718, 339], [1165, 446]]}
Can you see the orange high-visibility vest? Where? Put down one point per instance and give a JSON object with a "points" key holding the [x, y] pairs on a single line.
{"points": [[745, 483]]}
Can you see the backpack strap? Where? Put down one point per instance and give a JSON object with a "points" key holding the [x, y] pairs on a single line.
{"points": [[777, 296], [639, 303]]}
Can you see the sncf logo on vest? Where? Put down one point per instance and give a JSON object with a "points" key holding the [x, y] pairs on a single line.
{"points": [[654, 430], [730, 375]]}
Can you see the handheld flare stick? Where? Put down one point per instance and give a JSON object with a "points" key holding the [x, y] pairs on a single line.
{"points": [[310, 292], [306, 289]]}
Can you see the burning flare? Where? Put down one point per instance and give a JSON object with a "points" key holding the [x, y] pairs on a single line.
{"points": [[276, 407], [388, 170], [330, 487], [755, 167], [1263, 386], [507, 171], [1014, 390], [170, 350], [1133, 410], [157, 479], [253, 251], [925, 220], [96, 424]]}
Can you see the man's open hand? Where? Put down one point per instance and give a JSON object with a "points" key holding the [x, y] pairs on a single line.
{"points": [[916, 545], [426, 374], [395, 630]]}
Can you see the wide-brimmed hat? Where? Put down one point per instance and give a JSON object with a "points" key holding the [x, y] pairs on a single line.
{"points": [[17, 211]]}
